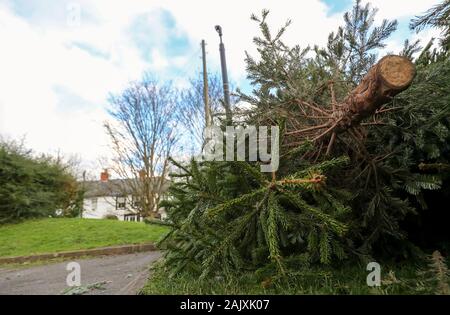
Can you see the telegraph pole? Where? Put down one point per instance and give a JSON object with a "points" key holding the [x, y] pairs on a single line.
{"points": [[208, 120], [226, 86]]}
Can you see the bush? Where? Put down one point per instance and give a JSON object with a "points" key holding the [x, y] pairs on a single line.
{"points": [[110, 217], [32, 187], [156, 222]]}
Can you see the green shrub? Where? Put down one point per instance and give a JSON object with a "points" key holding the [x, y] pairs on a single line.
{"points": [[110, 217], [32, 187]]}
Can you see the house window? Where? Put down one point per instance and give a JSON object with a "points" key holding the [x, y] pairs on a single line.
{"points": [[132, 217], [94, 204], [136, 201], [121, 202]]}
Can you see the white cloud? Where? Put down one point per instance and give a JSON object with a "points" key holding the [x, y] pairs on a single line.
{"points": [[35, 60], [159, 62], [197, 18], [395, 9]]}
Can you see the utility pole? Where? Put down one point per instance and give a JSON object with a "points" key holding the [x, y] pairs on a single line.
{"points": [[226, 86], [208, 119]]}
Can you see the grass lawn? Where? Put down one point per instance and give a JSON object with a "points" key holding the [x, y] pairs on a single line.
{"points": [[404, 279], [62, 234]]}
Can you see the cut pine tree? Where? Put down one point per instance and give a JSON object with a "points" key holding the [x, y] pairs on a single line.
{"points": [[390, 76]]}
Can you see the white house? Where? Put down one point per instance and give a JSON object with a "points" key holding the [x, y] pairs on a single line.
{"points": [[112, 197]]}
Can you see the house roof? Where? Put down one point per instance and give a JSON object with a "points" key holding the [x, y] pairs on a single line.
{"points": [[113, 187]]}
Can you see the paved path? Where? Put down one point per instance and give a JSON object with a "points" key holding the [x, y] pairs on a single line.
{"points": [[124, 274]]}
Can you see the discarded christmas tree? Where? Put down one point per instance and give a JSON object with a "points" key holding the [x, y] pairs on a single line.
{"points": [[348, 174]]}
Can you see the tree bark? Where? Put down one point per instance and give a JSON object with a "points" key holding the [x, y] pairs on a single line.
{"points": [[390, 76]]}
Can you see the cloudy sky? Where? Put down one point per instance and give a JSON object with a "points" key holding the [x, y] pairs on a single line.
{"points": [[59, 60]]}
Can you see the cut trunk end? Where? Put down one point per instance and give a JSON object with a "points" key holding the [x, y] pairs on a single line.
{"points": [[397, 72], [390, 76]]}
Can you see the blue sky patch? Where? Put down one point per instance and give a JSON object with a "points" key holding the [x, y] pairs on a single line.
{"points": [[157, 29], [50, 13], [336, 6], [70, 102]]}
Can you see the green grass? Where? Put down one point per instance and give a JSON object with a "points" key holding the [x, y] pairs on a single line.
{"points": [[63, 234], [404, 279]]}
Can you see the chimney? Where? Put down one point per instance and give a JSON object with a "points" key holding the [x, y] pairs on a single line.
{"points": [[104, 176]]}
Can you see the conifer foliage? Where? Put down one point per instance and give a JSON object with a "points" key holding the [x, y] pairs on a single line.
{"points": [[228, 216], [321, 205]]}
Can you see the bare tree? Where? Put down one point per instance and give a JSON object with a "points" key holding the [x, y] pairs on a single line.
{"points": [[143, 135], [191, 104]]}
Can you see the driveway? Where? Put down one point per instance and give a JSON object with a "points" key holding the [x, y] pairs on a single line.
{"points": [[124, 274]]}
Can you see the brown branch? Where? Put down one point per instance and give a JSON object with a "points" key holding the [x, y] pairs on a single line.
{"points": [[308, 129], [316, 179], [333, 96], [317, 109], [318, 117], [384, 110], [374, 124], [434, 166], [317, 153], [330, 145], [328, 130]]}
